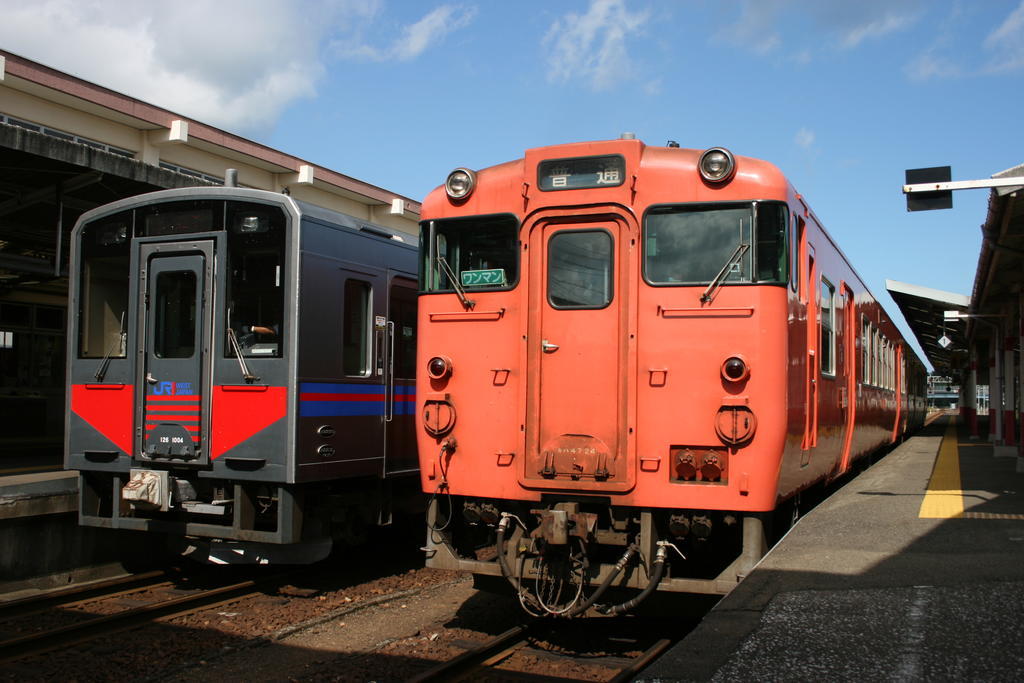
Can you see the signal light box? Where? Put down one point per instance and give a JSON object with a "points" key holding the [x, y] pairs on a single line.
{"points": [[928, 201]]}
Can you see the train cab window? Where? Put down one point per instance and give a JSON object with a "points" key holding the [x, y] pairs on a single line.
{"points": [[828, 328], [480, 253], [580, 265], [103, 301], [355, 329], [256, 279], [691, 244]]}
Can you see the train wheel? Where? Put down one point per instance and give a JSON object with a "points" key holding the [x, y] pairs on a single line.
{"points": [[351, 525]]}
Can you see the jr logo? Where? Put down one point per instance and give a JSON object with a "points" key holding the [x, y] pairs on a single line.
{"points": [[173, 389]]}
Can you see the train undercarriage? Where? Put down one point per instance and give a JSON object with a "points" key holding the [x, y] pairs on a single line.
{"points": [[235, 522], [562, 556]]}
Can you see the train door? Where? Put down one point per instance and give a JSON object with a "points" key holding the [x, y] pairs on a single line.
{"points": [[361, 407], [849, 355], [176, 286], [810, 439], [400, 377], [578, 355], [897, 369]]}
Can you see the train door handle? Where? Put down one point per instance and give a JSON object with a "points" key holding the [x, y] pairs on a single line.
{"points": [[548, 347], [150, 378]]}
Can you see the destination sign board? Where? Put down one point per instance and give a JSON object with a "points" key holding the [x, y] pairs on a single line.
{"points": [[581, 172]]}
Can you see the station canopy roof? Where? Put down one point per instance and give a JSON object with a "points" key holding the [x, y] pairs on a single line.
{"points": [[924, 310]]}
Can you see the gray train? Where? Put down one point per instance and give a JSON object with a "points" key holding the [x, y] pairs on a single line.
{"points": [[241, 372]]}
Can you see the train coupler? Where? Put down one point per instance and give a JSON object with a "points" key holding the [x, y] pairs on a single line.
{"points": [[556, 526]]}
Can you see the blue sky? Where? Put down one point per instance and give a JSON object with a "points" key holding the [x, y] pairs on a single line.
{"points": [[842, 96]]}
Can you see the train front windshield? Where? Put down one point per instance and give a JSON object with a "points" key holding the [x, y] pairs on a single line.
{"points": [[481, 252], [691, 244], [254, 285]]}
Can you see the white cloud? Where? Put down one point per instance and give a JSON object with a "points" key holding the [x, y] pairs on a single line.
{"points": [[890, 22], [929, 65], [592, 46], [236, 64], [942, 59], [756, 27], [653, 87], [432, 29], [1006, 43], [804, 138], [414, 39]]}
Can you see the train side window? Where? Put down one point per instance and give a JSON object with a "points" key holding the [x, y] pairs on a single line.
{"points": [[828, 333], [874, 357], [865, 352], [402, 311], [580, 264], [355, 329], [796, 235], [770, 257]]}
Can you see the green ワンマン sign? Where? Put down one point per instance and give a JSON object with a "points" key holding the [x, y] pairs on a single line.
{"points": [[492, 277]]}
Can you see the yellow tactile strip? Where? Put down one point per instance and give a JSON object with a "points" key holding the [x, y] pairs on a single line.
{"points": [[944, 498]]}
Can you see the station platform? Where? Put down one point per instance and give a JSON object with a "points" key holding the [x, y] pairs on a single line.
{"points": [[35, 493], [41, 545], [914, 570]]}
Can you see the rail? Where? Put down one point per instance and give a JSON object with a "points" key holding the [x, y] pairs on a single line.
{"points": [[40, 642], [475, 663]]}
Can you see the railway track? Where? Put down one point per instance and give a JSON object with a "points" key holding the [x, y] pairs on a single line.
{"points": [[483, 660], [73, 595], [157, 594]]}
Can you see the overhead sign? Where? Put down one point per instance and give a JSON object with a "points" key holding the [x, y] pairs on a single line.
{"points": [[927, 201]]}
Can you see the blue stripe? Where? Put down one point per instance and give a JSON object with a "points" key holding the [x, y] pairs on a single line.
{"points": [[327, 388], [341, 408], [345, 408]]}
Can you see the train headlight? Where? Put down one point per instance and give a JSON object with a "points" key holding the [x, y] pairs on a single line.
{"points": [[439, 367], [735, 369], [717, 165], [460, 183]]}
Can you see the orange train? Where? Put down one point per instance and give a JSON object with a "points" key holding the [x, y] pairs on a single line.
{"points": [[630, 359]]}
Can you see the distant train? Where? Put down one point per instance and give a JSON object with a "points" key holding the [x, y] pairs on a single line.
{"points": [[241, 370], [631, 358]]}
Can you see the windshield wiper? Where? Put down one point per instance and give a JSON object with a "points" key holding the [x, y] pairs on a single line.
{"points": [[709, 293], [466, 301], [105, 363], [246, 375]]}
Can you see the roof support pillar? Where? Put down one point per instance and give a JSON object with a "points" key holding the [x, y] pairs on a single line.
{"points": [[1020, 381], [971, 393], [1009, 401], [995, 388]]}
